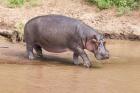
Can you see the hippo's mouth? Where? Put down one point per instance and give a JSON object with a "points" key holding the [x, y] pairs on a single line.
{"points": [[99, 57]]}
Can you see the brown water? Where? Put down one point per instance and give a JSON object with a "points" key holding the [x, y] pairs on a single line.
{"points": [[119, 74]]}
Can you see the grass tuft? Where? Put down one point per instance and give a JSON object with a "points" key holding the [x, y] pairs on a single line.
{"points": [[20, 3], [123, 6], [19, 27]]}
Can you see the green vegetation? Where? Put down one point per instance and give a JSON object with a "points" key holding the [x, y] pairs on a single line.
{"points": [[19, 27], [19, 3], [15, 3], [122, 5]]}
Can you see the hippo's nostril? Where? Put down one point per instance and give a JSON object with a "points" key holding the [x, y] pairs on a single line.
{"points": [[107, 56]]}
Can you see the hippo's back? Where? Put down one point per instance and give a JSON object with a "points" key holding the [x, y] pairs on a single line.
{"points": [[53, 20], [52, 24], [52, 30]]}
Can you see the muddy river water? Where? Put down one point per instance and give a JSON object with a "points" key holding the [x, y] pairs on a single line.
{"points": [[57, 74]]}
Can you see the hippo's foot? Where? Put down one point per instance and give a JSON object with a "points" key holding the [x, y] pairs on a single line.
{"points": [[31, 56], [87, 64], [76, 62]]}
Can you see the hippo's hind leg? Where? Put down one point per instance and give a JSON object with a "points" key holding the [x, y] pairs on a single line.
{"points": [[38, 50], [30, 51]]}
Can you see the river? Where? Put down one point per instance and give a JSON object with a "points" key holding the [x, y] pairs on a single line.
{"points": [[57, 74]]}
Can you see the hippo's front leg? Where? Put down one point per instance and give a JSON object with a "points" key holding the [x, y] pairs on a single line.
{"points": [[84, 56]]}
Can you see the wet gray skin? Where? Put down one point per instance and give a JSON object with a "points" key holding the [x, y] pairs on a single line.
{"points": [[101, 52], [56, 33]]}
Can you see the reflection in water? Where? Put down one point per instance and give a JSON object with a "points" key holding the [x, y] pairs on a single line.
{"points": [[119, 74]]}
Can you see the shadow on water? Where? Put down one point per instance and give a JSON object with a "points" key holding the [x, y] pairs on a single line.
{"points": [[56, 60], [45, 60], [18, 56]]}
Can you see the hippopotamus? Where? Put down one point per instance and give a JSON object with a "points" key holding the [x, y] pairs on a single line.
{"points": [[58, 33]]}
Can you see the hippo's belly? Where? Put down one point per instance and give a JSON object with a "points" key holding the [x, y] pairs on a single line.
{"points": [[52, 44], [55, 49]]}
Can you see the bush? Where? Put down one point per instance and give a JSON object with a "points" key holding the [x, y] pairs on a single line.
{"points": [[19, 3], [15, 3], [19, 27], [102, 4], [122, 5]]}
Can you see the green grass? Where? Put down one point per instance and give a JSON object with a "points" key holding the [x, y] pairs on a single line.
{"points": [[20, 3], [123, 6], [33, 3], [15, 3], [19, 27]]}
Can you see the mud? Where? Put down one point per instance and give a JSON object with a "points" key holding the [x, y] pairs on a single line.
{"points": [[55, 73], [122, 36]]}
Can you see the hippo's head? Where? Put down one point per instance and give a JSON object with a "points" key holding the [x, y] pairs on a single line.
{"points": [[97, 46]]}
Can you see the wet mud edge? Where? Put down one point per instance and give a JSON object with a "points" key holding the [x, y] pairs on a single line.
{"points": [[122, 36]]}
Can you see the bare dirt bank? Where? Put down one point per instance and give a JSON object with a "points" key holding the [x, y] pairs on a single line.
{"points": [[106, 21]]}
